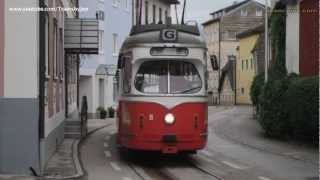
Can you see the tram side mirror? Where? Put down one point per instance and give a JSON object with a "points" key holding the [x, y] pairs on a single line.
{"points": [[121, 62]]}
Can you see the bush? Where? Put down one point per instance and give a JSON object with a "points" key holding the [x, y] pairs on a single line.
{"points": [[256, 88], [111, 112], [288, 108], [272, 116], [102, 112], [302, 104]]}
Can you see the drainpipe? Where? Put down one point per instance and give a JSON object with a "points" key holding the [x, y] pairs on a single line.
{"points": [[219, 70], [266, 44], [42, 71]]}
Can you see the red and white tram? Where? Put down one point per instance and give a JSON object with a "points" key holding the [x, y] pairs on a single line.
{"points": [[163, 89]]}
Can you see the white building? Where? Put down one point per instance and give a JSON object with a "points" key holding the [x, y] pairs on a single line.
{"points": [[152, 11], [96, 71]]}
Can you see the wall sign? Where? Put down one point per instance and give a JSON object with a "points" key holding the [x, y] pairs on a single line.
{"points": [[169, 35]]}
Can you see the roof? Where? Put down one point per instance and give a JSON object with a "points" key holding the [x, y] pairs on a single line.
{"points": [[227, 71], [289, 2], [187, 35], [171, 1], [210, 21], [101, 70], [227, 10], [255, 30], [231, 7], [158, 27]]}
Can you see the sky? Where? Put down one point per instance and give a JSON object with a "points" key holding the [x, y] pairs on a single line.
{"points": [[200, 10]]}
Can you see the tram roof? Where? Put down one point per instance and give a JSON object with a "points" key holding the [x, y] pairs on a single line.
{"points": [[150, 34]]}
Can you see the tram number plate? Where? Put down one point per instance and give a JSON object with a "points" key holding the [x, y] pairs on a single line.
{"points": [[169, 35], [169, 138]]}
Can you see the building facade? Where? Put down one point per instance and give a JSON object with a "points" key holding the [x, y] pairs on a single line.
{"points": [[221, 32], [38, 86], [302, 37], [152, 11], [247, 63], [93, 80]]}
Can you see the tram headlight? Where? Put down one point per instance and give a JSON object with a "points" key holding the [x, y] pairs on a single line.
{"points": [[169, 119]]}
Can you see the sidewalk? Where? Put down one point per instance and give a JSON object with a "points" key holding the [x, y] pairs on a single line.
{"points": [[237, 124], [65, 163]]}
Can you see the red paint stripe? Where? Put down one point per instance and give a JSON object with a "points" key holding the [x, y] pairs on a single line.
{"points": [[1, 48]]}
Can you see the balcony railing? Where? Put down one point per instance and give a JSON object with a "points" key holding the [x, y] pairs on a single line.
{"points": [[81, 36]]}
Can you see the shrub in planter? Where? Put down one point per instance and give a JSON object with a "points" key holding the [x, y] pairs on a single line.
{"points": [[256, 88], [302, 103], [111, 112], [272, 115], [102, 112]]}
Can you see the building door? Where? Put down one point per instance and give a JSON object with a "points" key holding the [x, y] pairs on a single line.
{"points": [[309, 38], [101, 92]]}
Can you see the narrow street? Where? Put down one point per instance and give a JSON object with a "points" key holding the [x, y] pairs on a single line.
{"points": [[225, 157]]}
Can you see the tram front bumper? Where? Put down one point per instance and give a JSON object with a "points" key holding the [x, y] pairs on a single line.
{"points": [[167, 144]]}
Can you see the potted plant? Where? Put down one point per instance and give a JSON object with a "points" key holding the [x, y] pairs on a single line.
{"points": [[102, 112], [111, 112]]}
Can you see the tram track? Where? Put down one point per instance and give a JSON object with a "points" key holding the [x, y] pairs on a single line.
{"points": [[169, 170], [204, 169], [152, 173]]}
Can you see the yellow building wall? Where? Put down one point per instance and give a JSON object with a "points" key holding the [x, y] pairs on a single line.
{"points": [[245, 68]]}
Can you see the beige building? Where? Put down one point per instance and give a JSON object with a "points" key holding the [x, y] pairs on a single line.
{"points": [[220, 33]]}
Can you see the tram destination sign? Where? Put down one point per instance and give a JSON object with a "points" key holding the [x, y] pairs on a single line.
{"points": [[169, 35]]}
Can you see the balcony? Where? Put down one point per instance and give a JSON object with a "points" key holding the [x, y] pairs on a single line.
{"points": [[81, 36]]}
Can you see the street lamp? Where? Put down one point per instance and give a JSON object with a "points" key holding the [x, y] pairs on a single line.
{"points": [[266, 44], [233, 60]]}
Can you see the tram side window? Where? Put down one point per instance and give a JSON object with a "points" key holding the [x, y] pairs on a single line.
{"points": [[152, 78], [127, 76]]}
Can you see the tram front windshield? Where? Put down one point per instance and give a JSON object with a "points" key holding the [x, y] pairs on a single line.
{"points": [[168, 77]]}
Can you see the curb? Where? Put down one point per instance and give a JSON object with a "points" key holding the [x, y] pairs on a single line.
{"points": [[76, 161], [228, 137], [23, 177], [75, 156]]}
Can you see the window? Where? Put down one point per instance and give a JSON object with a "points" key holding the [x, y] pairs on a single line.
{"points": [[114, 94], [160, 16], [242, 90], [247, 65], [115, 44], [100, 15], [115, 3], [163, 77], [214, 62], [166, 16], [47, 46], [146, 12], [251, 65], [55, 49], [61, 53], [259, 12], [101, 40], [154, 14], [126, 4], [127, 75], [242, 65], [244, 12]]}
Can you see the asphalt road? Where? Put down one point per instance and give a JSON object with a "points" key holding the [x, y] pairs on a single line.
{"points": [[223, 158]]}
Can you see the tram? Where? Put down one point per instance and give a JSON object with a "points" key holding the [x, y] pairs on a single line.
{"points": [[162, 85]]}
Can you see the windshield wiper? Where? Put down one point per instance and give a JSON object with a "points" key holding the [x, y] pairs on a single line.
{"points": [[192, 89]]}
